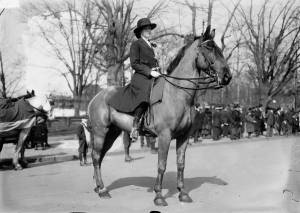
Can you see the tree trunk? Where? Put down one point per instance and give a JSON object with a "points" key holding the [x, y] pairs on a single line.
{"points": [[76, 102], [194, 19], [209, 14], [112, 75]]}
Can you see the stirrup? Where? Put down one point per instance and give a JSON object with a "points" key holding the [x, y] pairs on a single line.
{"points": [[134, 134]]}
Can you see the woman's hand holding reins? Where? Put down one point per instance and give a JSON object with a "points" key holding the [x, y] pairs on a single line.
{"points": [[154, 72]]}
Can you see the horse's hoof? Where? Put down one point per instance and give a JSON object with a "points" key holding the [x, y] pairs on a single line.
{"points": [[97, 189], [160, 201], [104, 195], [24, 164], [18, 167], [184, 197], [128, 159]]}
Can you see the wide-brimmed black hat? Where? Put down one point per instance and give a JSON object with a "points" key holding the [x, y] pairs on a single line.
{"points": [[141, 24]]}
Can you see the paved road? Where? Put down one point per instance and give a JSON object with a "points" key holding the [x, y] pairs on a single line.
{"points": [[225, 177]]}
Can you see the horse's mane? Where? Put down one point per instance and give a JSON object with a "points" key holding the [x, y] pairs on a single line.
{"points": [[174, 63]]}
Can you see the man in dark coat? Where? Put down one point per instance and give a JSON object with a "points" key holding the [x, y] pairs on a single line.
{"points": [[225, 118], [216, 123], [270, 119], [258, 118], [288, 119], [197, 123], [134, 98], [235, 123], [207, 120], [249, 122], [279, 117]]}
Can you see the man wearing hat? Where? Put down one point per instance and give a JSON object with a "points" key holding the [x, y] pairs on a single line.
{"points": [[235, 122], [225, 118], [270, 120], [207, 122], [134, 98], [83, 147]]}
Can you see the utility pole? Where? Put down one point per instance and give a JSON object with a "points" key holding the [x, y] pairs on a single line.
{"points": [[2, 78], [296, 83], [238, 71]]}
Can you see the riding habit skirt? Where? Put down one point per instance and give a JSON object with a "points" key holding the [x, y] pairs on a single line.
{"points": [[128, 98]]}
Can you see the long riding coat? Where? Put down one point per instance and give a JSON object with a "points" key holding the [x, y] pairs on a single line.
{"points": [[142, 59]]}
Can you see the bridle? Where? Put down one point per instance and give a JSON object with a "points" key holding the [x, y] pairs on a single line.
{"points": [[211, 74]]}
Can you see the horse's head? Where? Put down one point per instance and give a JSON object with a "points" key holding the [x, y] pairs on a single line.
{"points": [[41, 103], [211, 60]]}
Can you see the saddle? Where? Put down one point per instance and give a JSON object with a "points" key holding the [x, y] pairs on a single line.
{"points": [[146, 124], [15, 111]]}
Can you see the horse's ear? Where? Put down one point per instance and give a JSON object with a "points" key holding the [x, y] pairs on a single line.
{"points": [[207, 33], [212, 34], [32, 92]]}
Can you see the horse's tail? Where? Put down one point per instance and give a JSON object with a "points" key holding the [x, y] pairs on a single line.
{"points": [[98, 101], [88, 133]]}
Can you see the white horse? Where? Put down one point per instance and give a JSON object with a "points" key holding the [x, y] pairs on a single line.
{"points": [[41, 107]]}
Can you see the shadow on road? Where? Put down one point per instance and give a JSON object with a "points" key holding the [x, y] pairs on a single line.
{"points": [[55, 145], [35, 161], [169, 183]]}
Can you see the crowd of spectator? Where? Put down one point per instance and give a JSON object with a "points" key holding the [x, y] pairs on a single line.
{"points": [[235, 122]]}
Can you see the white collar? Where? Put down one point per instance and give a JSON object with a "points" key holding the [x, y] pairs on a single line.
{"points": [[147, 41]]}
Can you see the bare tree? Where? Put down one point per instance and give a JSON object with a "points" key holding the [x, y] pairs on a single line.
{"points": [[62, 26], [11, 61], [229, 50], [194, 8], [272, 40], [117, 24], [2, 11]]}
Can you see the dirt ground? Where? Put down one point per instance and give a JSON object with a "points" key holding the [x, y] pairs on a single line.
{"points": [[249, 176]]}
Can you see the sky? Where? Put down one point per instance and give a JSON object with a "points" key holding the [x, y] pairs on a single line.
{"points": [[39, 67]]}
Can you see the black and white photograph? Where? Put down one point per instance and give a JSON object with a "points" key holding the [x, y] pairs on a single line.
{"points": [[150, 106]]}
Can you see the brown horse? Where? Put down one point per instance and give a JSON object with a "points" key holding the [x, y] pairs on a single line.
{"points": [[172, 117]]}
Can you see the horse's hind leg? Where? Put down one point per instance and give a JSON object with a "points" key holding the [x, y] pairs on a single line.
{"points": [[181, 145], [20, 149], [101, 144]]}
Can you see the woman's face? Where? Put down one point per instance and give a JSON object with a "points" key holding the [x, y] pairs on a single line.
{"points": [[146, 32]]}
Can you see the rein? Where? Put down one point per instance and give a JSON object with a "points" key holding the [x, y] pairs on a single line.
{"points": [[199, 82], [191, 80]]}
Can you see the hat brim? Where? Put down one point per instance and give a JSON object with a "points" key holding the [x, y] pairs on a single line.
{"points": [[139, 29]]}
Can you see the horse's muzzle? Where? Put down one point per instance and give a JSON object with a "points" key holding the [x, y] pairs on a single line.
{"points": [[226, 77]]}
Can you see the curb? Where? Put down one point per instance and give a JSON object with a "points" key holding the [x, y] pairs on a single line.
{"points": [[43, 160]]}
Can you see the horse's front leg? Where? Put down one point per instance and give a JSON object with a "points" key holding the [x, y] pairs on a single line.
{"points": [[164, 140], [127, 144], [20, 149], [181, 145], [23, 160]]}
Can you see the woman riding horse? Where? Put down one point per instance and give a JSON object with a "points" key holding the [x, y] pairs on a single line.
{"points": [[134, 98], [199, 65]]}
